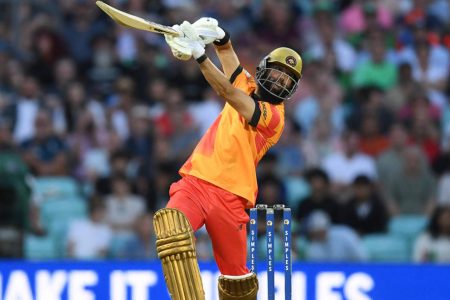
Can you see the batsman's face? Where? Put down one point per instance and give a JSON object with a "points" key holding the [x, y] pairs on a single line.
{"points": [[279, 81]]}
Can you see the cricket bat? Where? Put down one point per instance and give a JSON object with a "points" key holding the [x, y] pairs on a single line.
{"points": [[131, 21]]}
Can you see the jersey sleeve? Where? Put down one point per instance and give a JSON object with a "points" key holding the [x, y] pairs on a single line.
{"points": [[271, 121], [243, 80]]}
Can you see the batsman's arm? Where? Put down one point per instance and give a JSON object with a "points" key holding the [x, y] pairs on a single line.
{"points": [[240, 101], [227, 57]]}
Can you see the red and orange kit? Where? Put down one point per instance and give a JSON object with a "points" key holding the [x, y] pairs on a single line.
{"points": [[219, 178], [221, 169]]}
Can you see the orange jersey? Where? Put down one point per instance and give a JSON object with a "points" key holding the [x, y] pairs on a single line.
{"points": [[228, 153]]}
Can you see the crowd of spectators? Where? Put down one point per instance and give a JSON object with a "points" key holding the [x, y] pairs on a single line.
{"points": [[367, 135]]}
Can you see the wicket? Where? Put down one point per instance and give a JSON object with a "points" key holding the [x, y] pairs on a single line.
{"points": [[270, 232]]}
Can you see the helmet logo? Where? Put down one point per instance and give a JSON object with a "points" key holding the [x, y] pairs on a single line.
{"points": [[290, 60]]}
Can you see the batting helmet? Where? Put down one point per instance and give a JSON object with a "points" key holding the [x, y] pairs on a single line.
{"points": [[278, 74]]}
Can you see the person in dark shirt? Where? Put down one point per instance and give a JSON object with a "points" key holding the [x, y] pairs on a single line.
{"points": [[45, 153], [320, 197], [365, 211]]}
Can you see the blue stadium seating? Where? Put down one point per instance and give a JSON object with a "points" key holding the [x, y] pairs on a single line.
{"points": [[56, 216], [409, 227], [67, 209], [386, 248], [296, 190], [50, 188], [40, 247]]}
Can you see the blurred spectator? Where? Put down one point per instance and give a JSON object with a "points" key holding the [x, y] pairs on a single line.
{"points": [[276, 24], [423, 128], [122, 207], [120, 106], [372, 36], [64, 72], [365, 211], [424, 12], [140, 142], [369, 103], [442, 169], [389, 163], [268, 165], [48, 48], [206, 111], [430, 63], [372, 141], [191, 82], [271, 190], [140, 147], [88, 145], [440, 9], [177, 125], [80, 28], [404, 90], [53, 104], [14, 189], [445, 125], [324, 100], [320, 197], [343, 166], [332, 243], [45, 153], [166, 174], [172, 103], [413, 189], [103, 69], [434, 244], [232, 17], [320, 142], [89, 238], [291, 159], [336, 53], [6, 139], [141, 246], [377, 71], [118, 163], [76, 102], [356, 18], [418, 108], [155, 95], [151, 65], [25, 109]]}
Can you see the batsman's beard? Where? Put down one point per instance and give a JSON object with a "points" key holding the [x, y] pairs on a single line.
{"points": [[266, 96]]}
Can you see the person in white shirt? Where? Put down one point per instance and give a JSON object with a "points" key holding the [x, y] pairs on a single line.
{"points": [[89, 238], [344, 166], [434, 244], [333, 243], [430, 64], [122, 207]]}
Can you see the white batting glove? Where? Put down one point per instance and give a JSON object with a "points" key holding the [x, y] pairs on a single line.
{"points": [[192, 37], [180, 46], [208, 29]]}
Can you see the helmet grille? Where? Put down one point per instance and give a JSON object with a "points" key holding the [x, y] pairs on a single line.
{"points": [[276, 82]]}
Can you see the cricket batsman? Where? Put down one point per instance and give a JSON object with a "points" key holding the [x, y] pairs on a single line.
{"points": [[219, 178]]}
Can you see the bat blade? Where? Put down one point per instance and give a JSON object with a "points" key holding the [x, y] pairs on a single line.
{"points": [[135, 22]]}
